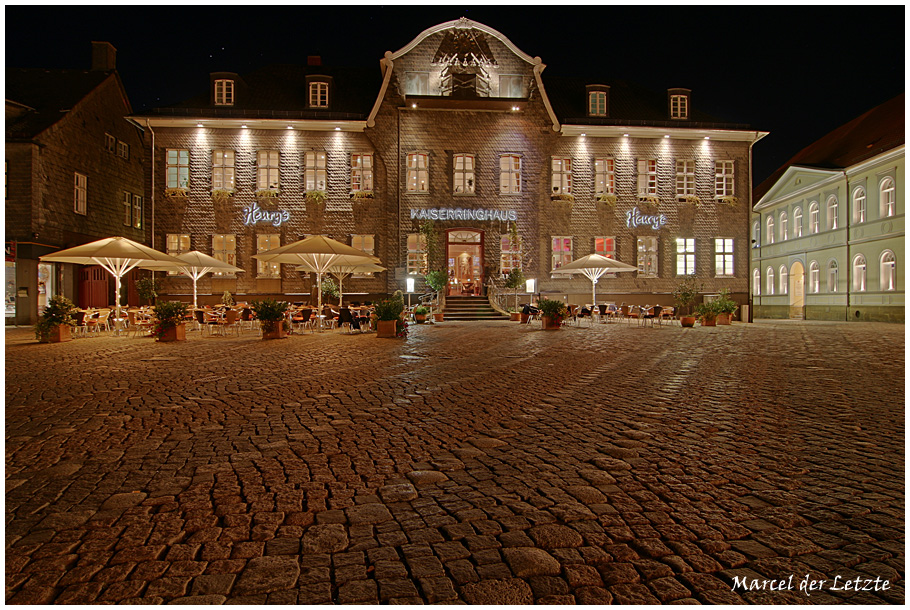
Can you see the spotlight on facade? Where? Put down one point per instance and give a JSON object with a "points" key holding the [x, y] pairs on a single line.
{"points": [[707, 137], [413, 105], [198, 124], [625, 135], [243, 127], [290, 127], [666, 136], [338, 129], [582, 135]]}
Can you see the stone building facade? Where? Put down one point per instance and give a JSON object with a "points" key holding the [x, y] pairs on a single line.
{"points": [[465, 138]]}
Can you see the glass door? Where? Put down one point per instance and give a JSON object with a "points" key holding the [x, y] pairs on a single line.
{"points": [[464, 254]]}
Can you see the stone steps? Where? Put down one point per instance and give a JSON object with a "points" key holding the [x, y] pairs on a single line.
{"points": [[470, 308]]}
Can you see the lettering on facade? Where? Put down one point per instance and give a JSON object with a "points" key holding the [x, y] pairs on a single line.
{"points": [[462, 214], [253, 214], [634, 218]]}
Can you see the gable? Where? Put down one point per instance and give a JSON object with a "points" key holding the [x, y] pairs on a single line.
{"points": [[794, 181]]}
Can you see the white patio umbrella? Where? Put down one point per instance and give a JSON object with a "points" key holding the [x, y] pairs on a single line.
{"points": [[318, 253], [593, 266], [193, 264], [117, 255], [344, 267]]}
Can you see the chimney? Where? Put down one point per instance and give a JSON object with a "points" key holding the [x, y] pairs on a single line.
{"points": [[104, 56], [313, 60]]}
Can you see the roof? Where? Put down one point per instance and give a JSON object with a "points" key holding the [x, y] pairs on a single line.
{"points": [[280, 90], [629, 104], [877, 131], [48, 94]]}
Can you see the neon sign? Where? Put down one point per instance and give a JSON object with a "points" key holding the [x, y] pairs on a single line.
{"points": [[462, 214], [634, 218], [253, 214]]}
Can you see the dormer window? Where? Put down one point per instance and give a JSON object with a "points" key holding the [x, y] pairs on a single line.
{"points": [[319, 94], [598, 98], [679, 104], [224, 92]]}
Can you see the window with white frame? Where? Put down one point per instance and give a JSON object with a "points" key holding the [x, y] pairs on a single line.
{"points": [[178, 168], [110, 143], [814, 278], [597, 103], [418, 172], [123, 150], [756, 234], [224, 248], [319, 94], [561, 252], [756, 282], [723, 257], [887, 201], [509, 173], [509, 254], [679, 106], [769, 281], [267, 172], [859, 273], [80, 193], [137, 211], [685, 256], [723, 179], [647, 177], [511, 85], [463, 174], [784, 229], [367, 243], [647, 256], [177, 243], [223, 170], [561, 176], [416, 83], [417, 254], [813, 218], [887, 270], [783, 282], [831, 218], [859, 204], [128, 209], [769, 225], [264, 243], [832, 276], [606, 247], [224, 92], [685, 178], [604, 177], [315, 171], [798, 222], [361, 172]]}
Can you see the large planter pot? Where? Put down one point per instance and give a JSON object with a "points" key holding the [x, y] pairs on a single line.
{"points": [[386, 328], [549, 324], [274, 331], [723, 319], [687, 321], [514, 316], [437, 317], [58, 334], [709, 321], [420, 318], [174, 333], [523, 318]]}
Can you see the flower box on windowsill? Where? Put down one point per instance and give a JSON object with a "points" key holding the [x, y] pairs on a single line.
{"points": [[177, 193], [316, 197], [266, 193], [222, 195], [562, 197], [607, 198], [729, 200], [361, 194], [649, 199], [690, 199]]}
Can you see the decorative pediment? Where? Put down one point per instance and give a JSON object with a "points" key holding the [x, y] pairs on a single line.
{"points": [[796, 181], [464, 46]]}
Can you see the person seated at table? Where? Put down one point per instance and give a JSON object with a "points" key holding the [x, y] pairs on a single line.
{"points": [[530, 310]]}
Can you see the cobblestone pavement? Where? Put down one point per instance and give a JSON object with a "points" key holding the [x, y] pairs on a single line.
{"points": [[473, 462]]}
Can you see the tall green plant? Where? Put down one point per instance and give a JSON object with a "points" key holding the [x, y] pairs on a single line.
{"points": [[685, 294], [147, 287], [329, 289], [431, 243], [514, 281]]}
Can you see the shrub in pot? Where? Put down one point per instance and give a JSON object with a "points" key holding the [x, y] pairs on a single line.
{"points": [[707, 313], [726, 307], [57, 320], [553, 313], [514, 281], [170, 321], [272, 316], [684, 295], [420, 314], [437, 281], [388, 316]]}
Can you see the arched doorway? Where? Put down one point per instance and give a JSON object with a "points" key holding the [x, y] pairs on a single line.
{"points": [[464, 256], [797, 291]]}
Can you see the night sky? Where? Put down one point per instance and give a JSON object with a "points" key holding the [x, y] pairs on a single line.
{"points": [[797, 72]]}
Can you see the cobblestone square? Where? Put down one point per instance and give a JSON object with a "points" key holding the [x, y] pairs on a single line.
{"points": [[480, 462]]}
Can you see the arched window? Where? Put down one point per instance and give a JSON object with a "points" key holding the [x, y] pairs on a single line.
{"points": [[831, 218], [888, 272], [832, 276], [859, 204], [886, 198], [769, 280], [783, 226], [770, 232], [814, 277], [756, 282], [859, 273], [798, 222], [756, 234], [784, 287], [813, 217]]}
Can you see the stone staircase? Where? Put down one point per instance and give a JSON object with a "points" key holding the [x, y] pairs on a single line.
{"points": [[470, 308]]}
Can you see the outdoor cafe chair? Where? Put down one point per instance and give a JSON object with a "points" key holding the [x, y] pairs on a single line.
{"points": [[205, 322], [137, 325], [346, 320], [229, 321], [668, 314], [99, 321], [302, 320], [651, 315], [79, 319]]}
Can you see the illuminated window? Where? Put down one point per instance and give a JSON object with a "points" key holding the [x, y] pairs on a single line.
{"points": [[769, 281], [814, 278], [319, 94], [314, 170], [509, 254], [647, 257], [178, 168], [723, 257], [561, 181], [509, 174], [784, 229], [770, 229], [798, 222], [416, 83], [813, 217], [177, 243], [463, 175], [604, 177], [888, 271], [832, 276], [679, 106], [264, 243], [685, 256], [80, 194], [367, 243], [418, 172], [756, 282], [561, 252], [223, 170], [511, 85], [267, 169], [723, 179], [137, 212], [685, 178], [128, 209], [224, 248], [647, 177], [859, 273], [224, 92], [417, 254], [831, 218], [606, 246], [783, 283], [859, 204], [361, 172], [756, 234], [597, 103], [887, 202]]}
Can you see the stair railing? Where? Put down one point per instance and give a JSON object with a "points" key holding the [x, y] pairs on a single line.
{"points": [[495, 298]]}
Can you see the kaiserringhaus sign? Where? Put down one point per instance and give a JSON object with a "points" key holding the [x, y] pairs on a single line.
{"points": [[462, 214]]}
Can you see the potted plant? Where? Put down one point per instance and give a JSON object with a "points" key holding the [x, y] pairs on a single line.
{"points": [[707, 313], [514, 281], [177, 192], [222, 195], [170, 321], [685, 294], [726, 308], [316, 197], [227, 299], [388, 316], [437, 281], [608, 198], [361, 194], [420, 314], [514, 314], [272, 316], [267, 193], [54, 326], [553, 313], [329, 289], [147, 287]]}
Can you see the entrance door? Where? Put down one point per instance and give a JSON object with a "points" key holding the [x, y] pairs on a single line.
{"points": [[93, 287], [797, 291], [464, 253]]}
